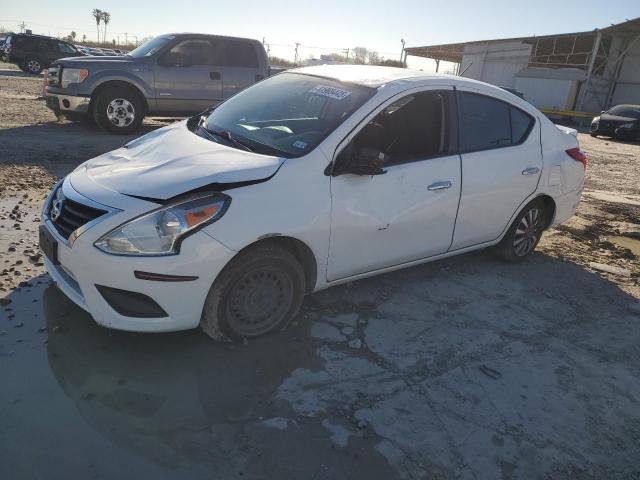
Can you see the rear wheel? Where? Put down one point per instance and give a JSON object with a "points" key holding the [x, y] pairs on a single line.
{"points": [[258, 292], [118, 110], [524, 234], [32, 65]]}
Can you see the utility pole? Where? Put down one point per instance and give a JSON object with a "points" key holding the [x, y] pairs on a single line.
{"points": [[346, 54], [402, 51], [295, 58], [126, 39], [22, 25]]}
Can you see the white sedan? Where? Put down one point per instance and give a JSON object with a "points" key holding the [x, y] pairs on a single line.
{"points": [[311, 178]]}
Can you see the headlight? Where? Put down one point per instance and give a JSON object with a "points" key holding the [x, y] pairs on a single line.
{"points": [[73, 75], [161, 231]]}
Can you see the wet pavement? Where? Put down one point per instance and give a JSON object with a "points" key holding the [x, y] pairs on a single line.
{"points": [[466, 368]]}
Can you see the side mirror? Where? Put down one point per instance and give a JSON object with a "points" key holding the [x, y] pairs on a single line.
{"points": [[175, 59], [366, 161]]}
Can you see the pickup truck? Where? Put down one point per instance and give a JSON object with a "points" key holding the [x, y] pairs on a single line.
{"points": [[170, 75]]}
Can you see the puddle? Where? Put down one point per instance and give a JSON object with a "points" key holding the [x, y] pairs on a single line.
{"points": [[632, 244]]}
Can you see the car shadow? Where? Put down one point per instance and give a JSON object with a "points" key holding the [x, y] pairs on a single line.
{"points": [[177, 398]]}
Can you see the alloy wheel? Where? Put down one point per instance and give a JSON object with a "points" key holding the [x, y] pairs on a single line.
{"points": [[34, 66], [121, 112], [528, 232]]}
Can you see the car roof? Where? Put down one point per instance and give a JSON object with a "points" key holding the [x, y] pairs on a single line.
{"points": [[206, 35], [368, 75]]}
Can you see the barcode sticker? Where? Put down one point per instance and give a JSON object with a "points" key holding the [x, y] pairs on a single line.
{"points": [[331, 92]]}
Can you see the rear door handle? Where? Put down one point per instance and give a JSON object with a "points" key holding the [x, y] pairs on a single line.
{"points": [[439, 185], [214, 75], [530, 171]]}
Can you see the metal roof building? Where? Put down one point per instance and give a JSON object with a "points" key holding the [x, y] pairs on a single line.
{"points": [[582, 71]]}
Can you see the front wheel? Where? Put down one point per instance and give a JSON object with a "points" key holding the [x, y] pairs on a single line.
{"points": [[258, 292], [524, 234], [118, 110]]}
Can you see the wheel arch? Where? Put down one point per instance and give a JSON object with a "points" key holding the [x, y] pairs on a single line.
{"points": [[121, 84], [550, 208], [298, 249]]}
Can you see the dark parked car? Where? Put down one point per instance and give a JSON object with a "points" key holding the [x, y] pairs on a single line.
{"points": [[621, 122], [170, 75], [33, 53]]}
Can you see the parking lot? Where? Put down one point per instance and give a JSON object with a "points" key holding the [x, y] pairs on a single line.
{"points": [[461, 368]]}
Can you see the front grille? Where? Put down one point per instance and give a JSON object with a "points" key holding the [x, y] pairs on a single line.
{"points": [[67, 216]]}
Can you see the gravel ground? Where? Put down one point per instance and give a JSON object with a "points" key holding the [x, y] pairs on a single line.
{"points": [[463, 368]]}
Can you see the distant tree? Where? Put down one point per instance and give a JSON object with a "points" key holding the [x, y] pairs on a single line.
{"points": [[72, 36], [106, 18], [97, 15], [280, 62], [391, 63], [373, 58], [84, 38], [359, 55]]}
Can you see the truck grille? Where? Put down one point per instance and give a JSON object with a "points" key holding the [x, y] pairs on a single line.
{"points": [[67, 215]]}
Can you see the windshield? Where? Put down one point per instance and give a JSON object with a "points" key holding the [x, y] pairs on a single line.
{"points": [[288, 114], [625, 111], [152, 46]]}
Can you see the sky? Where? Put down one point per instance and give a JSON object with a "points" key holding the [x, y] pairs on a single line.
{"points": [[324, 26]]}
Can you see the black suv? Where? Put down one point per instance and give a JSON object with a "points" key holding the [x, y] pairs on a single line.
{"points": [[33, 53]]}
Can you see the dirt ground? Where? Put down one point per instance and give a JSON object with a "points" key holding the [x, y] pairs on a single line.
{"points": [[462, 368]]}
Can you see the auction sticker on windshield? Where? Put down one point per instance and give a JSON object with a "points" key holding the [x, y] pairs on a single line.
{"points": [[331, 92]]}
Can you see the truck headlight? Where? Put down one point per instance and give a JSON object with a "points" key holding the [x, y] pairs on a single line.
{"points": [[161, 231], [73, 75]]}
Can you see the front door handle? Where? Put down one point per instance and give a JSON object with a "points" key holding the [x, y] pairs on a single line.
{"points": [[530, 171], [214, 75], [439, 185]]}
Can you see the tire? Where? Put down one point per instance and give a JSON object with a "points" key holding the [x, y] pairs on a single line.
{"points": [[32, 65], [521, 239], [593, 134], [118, 110], [257, 293]]}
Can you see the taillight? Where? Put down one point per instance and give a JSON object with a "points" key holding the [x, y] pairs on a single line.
{"points": [[578, 155]]}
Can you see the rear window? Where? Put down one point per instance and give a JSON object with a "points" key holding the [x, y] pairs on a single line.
{"points": [[487, 123], [240, 54]]}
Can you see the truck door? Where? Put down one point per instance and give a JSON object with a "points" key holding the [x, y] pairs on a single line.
{"points": [[188, 77], [242, 66]]}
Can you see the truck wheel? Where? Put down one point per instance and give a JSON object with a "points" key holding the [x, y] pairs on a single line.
{"points": [[31, 65], [118, 110], [258, 292]]}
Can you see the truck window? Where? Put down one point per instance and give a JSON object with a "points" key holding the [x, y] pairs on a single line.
{"points": [[200, 51], [240, 54]]}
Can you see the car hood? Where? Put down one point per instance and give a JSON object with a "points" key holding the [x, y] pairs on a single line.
{"points": [[171, 161], [84, 60], [616, 119]]}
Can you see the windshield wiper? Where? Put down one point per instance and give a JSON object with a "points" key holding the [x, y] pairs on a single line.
{"points": [[226, 134]]}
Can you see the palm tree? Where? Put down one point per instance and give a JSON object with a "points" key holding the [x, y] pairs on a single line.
{"points": [[106, 18], [97, 14]]}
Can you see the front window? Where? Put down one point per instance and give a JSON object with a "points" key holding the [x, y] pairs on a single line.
{"points": [[288, 114], [152, 46]]}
